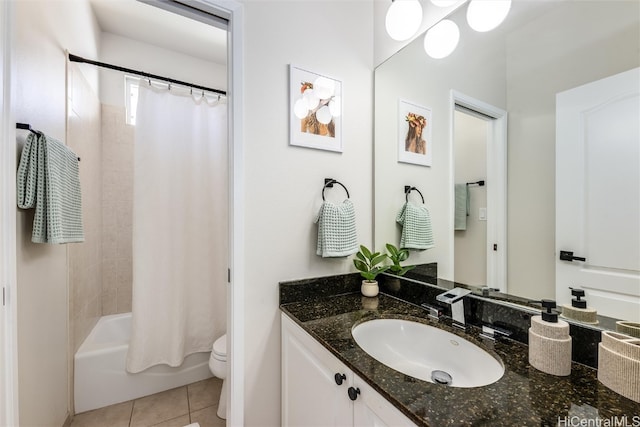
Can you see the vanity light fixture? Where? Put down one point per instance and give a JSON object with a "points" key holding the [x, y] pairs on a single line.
{"points": [[441, 39], [485, 15], [403, 19]]}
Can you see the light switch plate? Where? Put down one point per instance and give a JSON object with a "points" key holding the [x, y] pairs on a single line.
{"points": [[482, 214]]}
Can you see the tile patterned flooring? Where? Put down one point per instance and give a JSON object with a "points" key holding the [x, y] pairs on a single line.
{"points": [[178, 407]]}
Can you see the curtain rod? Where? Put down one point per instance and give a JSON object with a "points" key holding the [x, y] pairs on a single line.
{"points": [[76, 58]]}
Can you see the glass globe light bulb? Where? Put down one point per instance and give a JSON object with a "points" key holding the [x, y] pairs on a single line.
{"points": [[335, 106], [300, 109], [441, 39], [485, 15], [323, 115], [311, 98], [324, 88], [403, 19], [444, 3]]}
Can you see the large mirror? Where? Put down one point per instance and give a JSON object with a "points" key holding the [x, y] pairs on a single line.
{"points": [[511, 75]]}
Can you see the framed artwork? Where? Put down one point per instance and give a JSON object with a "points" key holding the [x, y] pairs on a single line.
{"points": [[315, 110], [414, 133]]}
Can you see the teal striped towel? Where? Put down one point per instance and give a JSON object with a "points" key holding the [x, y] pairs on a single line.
{"points": [[48, 180], [336, 230], [461, 207], [416, 227]]}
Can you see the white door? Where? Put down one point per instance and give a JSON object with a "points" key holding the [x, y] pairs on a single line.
{"points": [[370, 409], [598, 194], [311, 395]]}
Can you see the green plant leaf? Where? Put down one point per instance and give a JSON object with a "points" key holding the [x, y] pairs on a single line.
{"points": [[360, 265], [365, 251], [378, 259]]}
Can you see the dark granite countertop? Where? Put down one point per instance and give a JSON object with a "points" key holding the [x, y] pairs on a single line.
{"points": [[524, 396]]}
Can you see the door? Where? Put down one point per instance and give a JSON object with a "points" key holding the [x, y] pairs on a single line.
{"points": [[311, 395], [370, 409], [598, 194]]}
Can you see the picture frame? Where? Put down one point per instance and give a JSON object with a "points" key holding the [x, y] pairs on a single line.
{"points": [[315, 110], [414, 133]]}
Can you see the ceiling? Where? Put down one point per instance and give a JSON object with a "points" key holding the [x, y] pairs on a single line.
{"points": [[155, 26]]}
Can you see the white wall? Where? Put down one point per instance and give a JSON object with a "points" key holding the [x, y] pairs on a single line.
{"points": [[284, 183], [128, 53], [43, 30]]}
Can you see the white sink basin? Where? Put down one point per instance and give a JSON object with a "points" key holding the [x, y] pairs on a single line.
{"points": [[421, 351]]}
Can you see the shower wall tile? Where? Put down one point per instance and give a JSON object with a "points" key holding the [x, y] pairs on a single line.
{"points": [[84, 130], [109, 302], [117, 206], [123, 299]]}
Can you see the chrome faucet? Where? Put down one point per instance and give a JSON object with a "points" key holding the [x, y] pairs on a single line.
{"points": [[433, 312], [455, 298]]}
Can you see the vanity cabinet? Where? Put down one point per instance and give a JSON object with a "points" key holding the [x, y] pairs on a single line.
{"points": [[319, 390]]}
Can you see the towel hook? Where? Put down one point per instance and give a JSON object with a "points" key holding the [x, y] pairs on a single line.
{"points": [[328, 182], [407, 190]]}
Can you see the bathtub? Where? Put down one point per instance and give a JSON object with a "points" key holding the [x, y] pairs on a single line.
{"points": [[100, 378]]}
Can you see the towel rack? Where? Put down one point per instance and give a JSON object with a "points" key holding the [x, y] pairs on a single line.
{"points": [[408, 189], [27, 126], [478, 183], [328, 183]]}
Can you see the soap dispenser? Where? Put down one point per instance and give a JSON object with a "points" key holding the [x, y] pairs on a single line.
{"points": [[549, 341], [578, 309]]}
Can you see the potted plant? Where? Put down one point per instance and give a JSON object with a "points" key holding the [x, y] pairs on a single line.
{"points": [[397, 256], [370, 265]]}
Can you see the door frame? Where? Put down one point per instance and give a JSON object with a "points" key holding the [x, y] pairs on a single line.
{"points": [[496, 187], [8, 257], [234, 12]]}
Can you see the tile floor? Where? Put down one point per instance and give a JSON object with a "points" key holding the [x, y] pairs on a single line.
{"points": [[197, 402]]}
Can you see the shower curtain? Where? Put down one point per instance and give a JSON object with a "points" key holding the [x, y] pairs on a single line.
{"points": [[179, 227]]}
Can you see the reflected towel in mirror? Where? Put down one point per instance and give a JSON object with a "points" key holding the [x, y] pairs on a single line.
{"points": [[461, 207], [416, 227]]}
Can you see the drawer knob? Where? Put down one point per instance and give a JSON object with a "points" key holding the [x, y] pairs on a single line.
{"points": [[353, 393], [339, 378]]}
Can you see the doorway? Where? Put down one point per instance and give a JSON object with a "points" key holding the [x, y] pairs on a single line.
{"points": [[479, 168], [234, 12], [471, 133]]}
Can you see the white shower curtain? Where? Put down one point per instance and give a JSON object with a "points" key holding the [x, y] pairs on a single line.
{"points": [[179, 227]]}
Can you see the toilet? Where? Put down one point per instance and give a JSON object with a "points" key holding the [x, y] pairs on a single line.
{"points": [[218, 366]]}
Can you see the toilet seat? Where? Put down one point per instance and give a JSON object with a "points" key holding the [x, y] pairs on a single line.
{"points": [[219, 350]]}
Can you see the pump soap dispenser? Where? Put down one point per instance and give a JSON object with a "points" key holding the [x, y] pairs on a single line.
{"points": [[578, 309], [550, 342]]}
